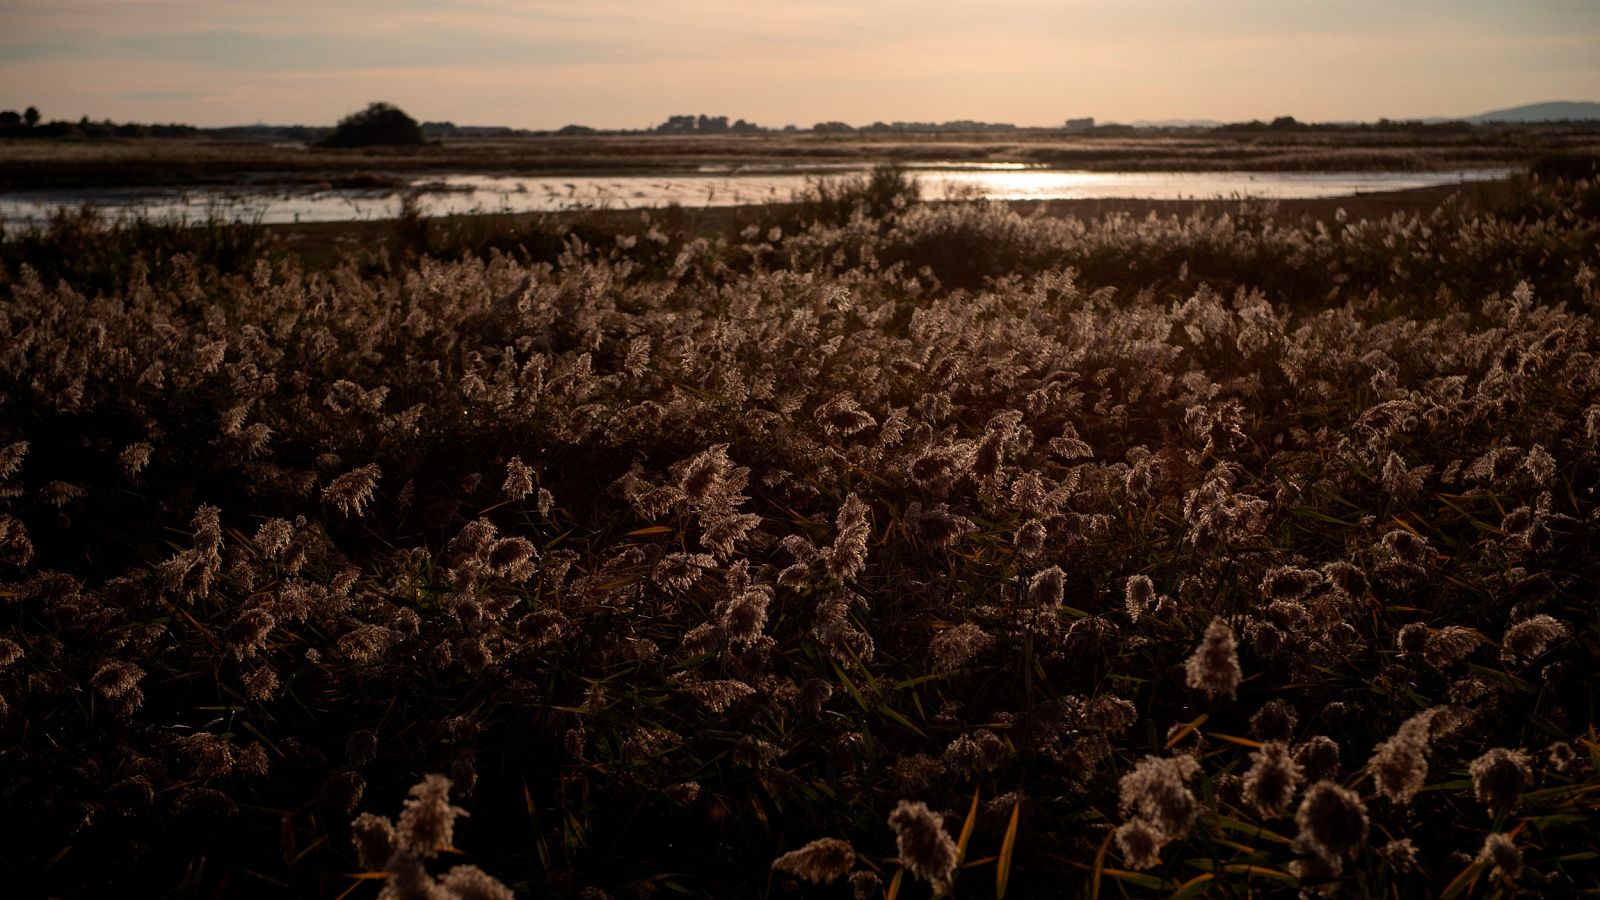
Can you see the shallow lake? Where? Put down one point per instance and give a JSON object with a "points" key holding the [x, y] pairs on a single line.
{"points": [[709, 186]]}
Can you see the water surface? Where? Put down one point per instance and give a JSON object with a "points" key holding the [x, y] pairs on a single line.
{"points": [[708, 186]]}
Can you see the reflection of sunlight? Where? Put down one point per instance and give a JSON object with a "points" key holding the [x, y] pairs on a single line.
{"points": [[848, 168], [467, 192]]}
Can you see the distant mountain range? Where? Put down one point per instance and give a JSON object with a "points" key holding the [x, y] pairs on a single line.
{"points": [[1554, 111]]}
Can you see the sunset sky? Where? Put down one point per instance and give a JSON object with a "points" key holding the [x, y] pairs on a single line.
{"points": [[631, 63]]}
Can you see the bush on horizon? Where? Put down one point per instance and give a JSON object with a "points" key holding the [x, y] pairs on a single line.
{"points": [[377, 125]]}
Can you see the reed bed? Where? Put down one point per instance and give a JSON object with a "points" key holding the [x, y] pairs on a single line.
{"points": [[880, 547]]}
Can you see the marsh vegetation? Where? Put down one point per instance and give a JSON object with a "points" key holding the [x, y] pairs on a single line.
{"points": [[869, 545], [37, 164]]}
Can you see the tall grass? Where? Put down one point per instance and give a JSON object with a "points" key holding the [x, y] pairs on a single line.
{"points": [[900, 547], [96, 253]]}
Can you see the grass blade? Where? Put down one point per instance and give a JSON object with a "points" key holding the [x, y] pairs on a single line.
{"points": [[1261, 871], [966, 829], [1464, 881], [1002, 871], [1138, 879], [1245, 828], [1099, 867], [1194, 887], [1186, 730]]}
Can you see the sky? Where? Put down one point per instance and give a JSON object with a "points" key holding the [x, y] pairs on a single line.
{"points": [[632, 63]]}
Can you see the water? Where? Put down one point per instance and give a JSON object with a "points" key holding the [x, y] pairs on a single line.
{"points": [[708, 186]]}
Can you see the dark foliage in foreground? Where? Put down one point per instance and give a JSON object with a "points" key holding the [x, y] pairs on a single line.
{"points": [[1229, 552]]}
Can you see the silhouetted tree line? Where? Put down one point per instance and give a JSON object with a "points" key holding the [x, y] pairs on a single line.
{"points": [[27, 124], [955, 125], [262, 132], [1290, 123], [704, 124], [11, 118]]}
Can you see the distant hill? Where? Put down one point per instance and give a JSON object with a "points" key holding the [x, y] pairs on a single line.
{"points": [[1554, 111]]}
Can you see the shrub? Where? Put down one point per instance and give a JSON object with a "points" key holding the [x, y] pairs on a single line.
{"points": [[378, 124]]}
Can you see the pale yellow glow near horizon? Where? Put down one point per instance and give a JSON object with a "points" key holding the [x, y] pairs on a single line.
{"points": [[623, 63]]}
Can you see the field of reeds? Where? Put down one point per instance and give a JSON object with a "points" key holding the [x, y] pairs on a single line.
{"points": [[871, 548]]}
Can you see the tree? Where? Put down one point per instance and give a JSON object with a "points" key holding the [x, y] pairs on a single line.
{"points": [[379, 123], [31, 117]]}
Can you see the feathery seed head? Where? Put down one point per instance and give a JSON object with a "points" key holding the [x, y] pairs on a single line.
{"points": [[1449, 645], [519, 479], [1528, 639], [822, 861], [1047, 588], [352, 491], [1274, 721], [925, 849], [1399, 765], [1289, 583], [1214, 665], [1138, 595], [1561, 755], [472, 883], [1030, 538], [955, 647], [1140, 844], [1270, 784], [1332, 820], [1502, 853], [1318, 757], [1155, 791], [427, 823], [375, 841], [865, 885], [1498, 778]]}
